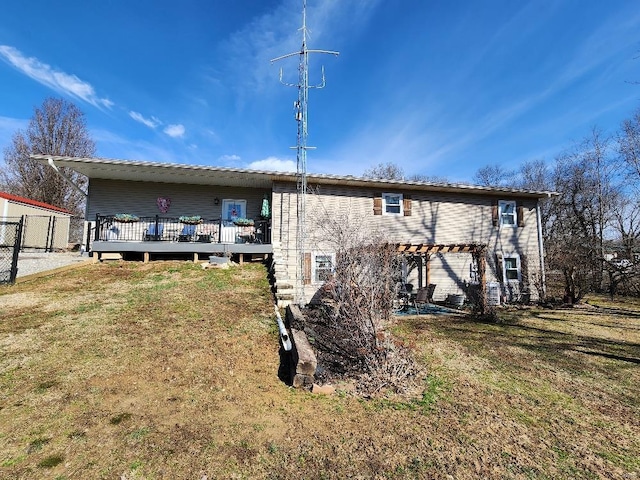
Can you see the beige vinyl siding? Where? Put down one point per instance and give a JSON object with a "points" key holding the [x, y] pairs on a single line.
{"points": [[108, 197], [19, 209], [449, 272], [436, 218]]}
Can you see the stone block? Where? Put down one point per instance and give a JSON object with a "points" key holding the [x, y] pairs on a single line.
{"points": [[304, 358]]}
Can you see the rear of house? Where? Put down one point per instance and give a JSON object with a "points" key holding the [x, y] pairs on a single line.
{"points": [[451, 236]]}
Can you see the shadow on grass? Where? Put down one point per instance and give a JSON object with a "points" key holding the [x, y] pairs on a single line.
{"points": [[549, 342]]}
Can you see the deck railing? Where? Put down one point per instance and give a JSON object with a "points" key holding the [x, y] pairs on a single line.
{"points": [[171, 229]]}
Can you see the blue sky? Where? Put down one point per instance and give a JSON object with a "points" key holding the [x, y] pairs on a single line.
{"points": [[441, 88]]}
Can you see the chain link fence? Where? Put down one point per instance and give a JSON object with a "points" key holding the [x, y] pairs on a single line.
{"points": [[10, 233]]}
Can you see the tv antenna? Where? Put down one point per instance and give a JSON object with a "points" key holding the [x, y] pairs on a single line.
{"points": [[300, 107]]}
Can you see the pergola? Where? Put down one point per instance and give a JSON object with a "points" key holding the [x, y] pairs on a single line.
{"points": [[422, 252]]}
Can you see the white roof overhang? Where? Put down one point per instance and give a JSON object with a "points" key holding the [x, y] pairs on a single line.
{"points": [[139, 171]]}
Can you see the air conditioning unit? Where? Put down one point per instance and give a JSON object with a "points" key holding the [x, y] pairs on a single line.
{"points": [[493, 293]]}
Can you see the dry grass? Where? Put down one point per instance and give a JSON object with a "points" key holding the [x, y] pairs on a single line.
{"points": [[164, 370]]}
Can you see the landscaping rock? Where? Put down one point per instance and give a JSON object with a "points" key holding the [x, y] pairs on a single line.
{"points": [[323, 389], [302, 381]]}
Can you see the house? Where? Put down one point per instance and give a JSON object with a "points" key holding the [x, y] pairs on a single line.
{"points": [[452, 236], [44, 226]]}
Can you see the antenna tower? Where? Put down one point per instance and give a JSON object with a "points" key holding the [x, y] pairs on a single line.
{"points": [[300, 107]]}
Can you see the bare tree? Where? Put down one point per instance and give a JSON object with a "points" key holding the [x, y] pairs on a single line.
{"points": [[494, 176], [392, 171], [385, 171], [629, 144], [535, 175], [587, 179], [57, 127]]}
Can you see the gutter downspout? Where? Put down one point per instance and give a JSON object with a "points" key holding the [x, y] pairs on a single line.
{"points": [[541, 248], [66, 179], [284, 335]]}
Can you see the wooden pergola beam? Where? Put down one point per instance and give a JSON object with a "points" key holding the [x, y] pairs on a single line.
{"points": [[429, 249]]}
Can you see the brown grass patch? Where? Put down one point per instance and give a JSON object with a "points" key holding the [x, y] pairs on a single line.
{"points": [[163, 370]]}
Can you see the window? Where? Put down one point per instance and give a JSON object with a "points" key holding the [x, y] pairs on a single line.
{"points": [[511, 268], [232, 209], [507, 212], [392, 203], [322, 267]]}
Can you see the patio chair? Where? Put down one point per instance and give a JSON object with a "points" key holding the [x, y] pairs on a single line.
{"points": [[151, 234], [187, 234], [424, 296], [404, 295]]}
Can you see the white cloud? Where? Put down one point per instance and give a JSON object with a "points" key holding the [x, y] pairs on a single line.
{"points": [[273, 164], [55, 79], [152, 122], [175, 131]]}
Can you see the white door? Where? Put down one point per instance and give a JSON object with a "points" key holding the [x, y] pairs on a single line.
{"points": [[232, 209]]}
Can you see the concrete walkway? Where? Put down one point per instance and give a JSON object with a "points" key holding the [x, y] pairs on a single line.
{"points": [[30, 263]]}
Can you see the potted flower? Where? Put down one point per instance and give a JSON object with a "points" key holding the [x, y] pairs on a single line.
{"points": [[243, 222], [125, 218], [190, 220]]}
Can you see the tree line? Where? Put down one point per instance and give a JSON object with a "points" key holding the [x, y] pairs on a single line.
{"points": [[591, 228]]}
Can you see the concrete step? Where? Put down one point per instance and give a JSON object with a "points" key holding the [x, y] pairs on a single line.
{"points": [[284, 284]]}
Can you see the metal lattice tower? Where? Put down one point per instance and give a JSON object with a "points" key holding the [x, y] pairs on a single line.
{"points": [[301, 106]]}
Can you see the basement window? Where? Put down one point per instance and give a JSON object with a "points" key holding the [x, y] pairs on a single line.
{"points": [[322, 267], [511, 268]]}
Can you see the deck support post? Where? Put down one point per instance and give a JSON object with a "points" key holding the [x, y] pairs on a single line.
{"points": [[146, 257]]}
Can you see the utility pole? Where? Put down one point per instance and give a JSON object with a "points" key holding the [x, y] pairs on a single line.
{"points": [[301, 106]]}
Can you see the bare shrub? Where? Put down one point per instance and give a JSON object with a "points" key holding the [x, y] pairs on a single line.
{"points": [[355, 308]]}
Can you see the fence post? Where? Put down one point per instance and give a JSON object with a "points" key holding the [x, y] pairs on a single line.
{"points": [[23, 222], [16, 250], [53, 221], [220, 230], [46, 243]]}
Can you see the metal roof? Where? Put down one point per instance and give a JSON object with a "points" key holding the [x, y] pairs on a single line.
{"points": [[144, 171], [33, 203]]}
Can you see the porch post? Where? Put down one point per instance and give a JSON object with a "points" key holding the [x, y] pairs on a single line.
{"points": [[97, 234], [479, 254]]}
